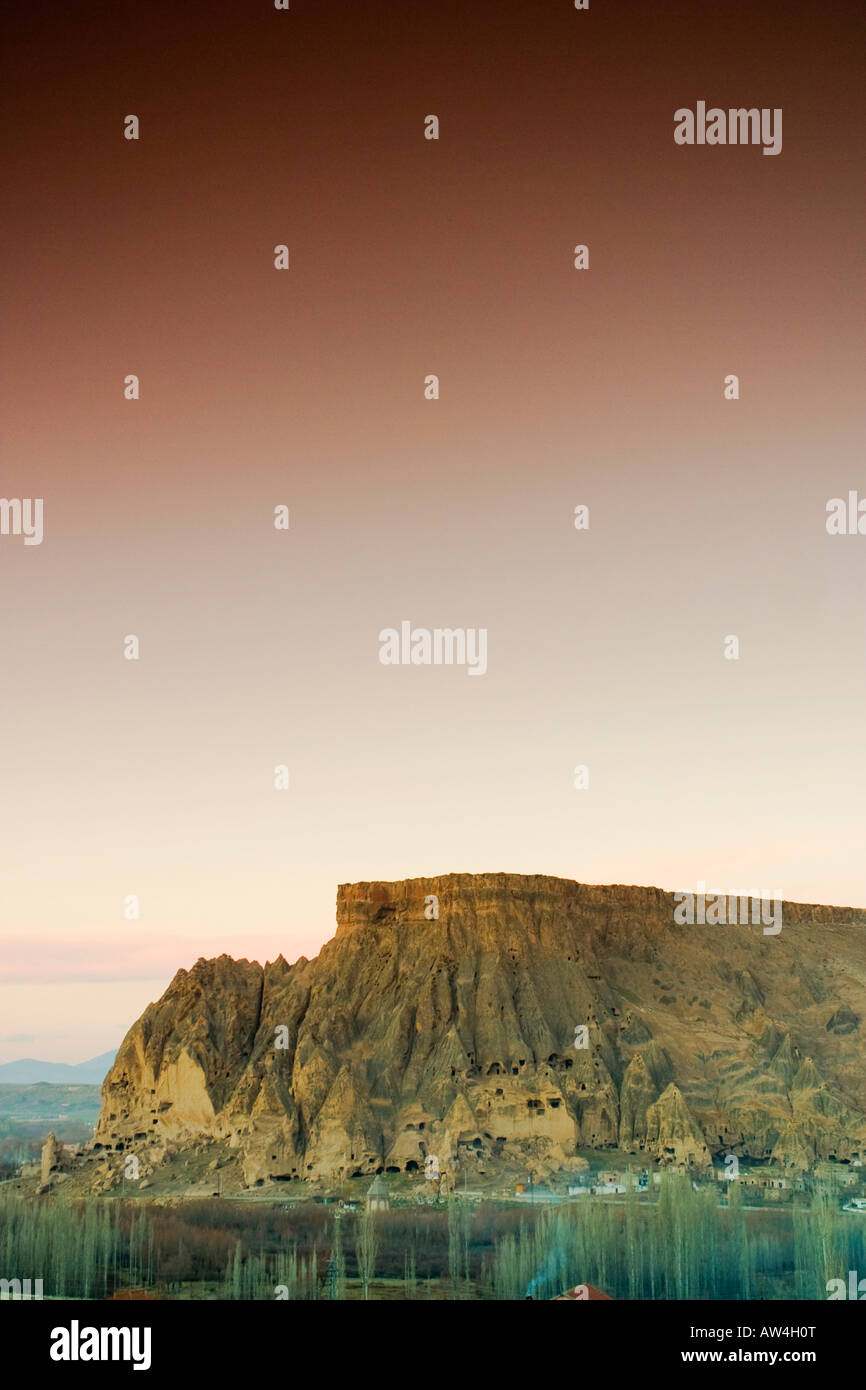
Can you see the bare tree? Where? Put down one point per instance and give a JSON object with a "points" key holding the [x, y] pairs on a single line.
{"points": [[366, 1247]]}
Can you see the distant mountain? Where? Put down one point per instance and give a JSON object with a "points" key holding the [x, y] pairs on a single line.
{"points": [[27, 1071]]}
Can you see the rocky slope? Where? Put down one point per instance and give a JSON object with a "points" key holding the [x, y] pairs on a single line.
{"points": [[410, 1039]]}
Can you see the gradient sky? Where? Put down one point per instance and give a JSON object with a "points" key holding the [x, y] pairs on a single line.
{"points": [[305, 387]]}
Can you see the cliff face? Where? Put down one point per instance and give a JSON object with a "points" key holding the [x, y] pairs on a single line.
{"points": [[453, 1035]]}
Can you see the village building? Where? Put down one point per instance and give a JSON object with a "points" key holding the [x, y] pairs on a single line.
{"points": [[842, 1174], [377, 1197]]}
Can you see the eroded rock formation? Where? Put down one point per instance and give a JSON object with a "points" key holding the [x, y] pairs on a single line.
{"points": [[413, 1037]]}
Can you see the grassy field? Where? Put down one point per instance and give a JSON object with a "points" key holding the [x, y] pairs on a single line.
{"points": [[47, 1103]]}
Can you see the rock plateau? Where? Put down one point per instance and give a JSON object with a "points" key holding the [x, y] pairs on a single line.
{"points": [[408, 1039]]}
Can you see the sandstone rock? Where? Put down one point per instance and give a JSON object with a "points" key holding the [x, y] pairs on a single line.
{"points": [[455, 1037], [55, 1162], [673, 1135]]}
